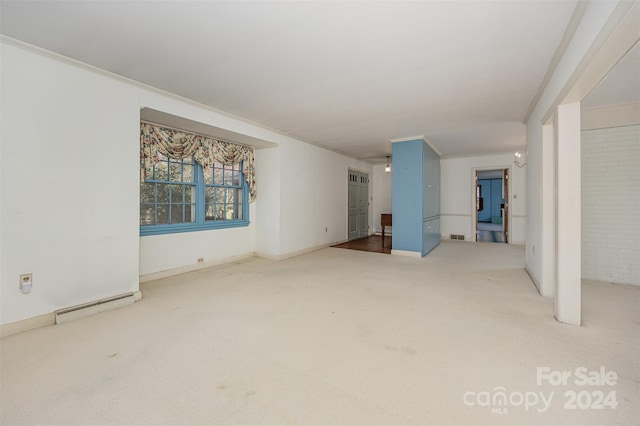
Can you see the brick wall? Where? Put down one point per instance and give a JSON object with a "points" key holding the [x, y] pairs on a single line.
{"points": [[611, 204]]}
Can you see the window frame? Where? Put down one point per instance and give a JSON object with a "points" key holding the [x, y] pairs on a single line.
{"points": [[200, 223]]}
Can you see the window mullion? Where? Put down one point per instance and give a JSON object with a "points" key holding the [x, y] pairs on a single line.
{"points": [[200, 204], [170, 188], [155, 201]]}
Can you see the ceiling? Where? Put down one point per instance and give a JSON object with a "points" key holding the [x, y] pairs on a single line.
{"points": [[348, 76]]}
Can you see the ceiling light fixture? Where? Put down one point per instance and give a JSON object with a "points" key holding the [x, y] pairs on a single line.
{"points": [[387, 168], [519, 160]]}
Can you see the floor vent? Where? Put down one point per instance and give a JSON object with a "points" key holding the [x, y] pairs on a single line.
{"points": [[81, 311], [456, 237]]}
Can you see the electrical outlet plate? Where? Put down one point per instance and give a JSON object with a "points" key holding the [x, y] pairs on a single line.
{"points": [[26, 281]]}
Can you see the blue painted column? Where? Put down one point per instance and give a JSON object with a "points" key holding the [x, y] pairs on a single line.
{"points": [[407, 196], [415, 198]]}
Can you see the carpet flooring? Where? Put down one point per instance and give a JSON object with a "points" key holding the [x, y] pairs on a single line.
{"points": [[332, 337]]}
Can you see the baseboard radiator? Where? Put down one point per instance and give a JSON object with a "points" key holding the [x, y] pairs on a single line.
{"points": [[81, 311]]}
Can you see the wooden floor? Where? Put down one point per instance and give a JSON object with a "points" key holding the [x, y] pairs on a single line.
{"points": [[372, 243]]}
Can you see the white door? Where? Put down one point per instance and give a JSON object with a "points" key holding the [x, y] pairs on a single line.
{"points": [[358, 205]]}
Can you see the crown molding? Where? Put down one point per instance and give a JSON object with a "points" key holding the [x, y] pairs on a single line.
{"points": [[418, 138]]}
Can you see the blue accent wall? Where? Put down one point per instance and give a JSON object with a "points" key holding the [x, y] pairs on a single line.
{"points": [[492, 195], [484, 215], [496, 197]]}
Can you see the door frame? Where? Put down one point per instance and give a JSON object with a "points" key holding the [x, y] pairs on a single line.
{"points": [[508, 201]]}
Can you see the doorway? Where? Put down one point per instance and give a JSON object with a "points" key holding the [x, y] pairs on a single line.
{"points": [[492, 205], [358, 205]]}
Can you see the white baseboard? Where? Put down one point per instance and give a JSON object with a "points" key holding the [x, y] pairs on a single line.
{"points": [[83, 310], [297, 252], [406, 253], [266, 256], [533, 279], [27, 324], [53, 317], [195, 267]]}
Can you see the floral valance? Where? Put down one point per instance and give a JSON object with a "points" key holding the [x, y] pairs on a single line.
{"points": [[206, 151]]}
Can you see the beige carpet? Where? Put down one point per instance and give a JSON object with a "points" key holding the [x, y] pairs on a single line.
{"points": [[332, 337]]}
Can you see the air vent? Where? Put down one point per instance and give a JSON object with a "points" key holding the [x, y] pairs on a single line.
{"points": [[456, 237]]}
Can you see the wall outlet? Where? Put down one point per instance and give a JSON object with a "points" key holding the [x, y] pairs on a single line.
{"points": [[26, 281], [200, 259]]}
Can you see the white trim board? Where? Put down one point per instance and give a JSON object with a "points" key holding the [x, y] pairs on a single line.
{"points": [[195, 267], [298, 252], [416, 138], [27, 324], [406, 253]]}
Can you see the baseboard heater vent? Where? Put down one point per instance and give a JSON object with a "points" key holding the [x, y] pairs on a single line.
{"points": [[456, 237], [81, 311]]}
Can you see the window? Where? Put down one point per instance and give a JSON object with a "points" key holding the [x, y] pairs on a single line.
{"points": [[224, 192], [181, 196]]}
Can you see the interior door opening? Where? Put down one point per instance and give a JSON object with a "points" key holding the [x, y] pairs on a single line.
{"points": [[492, 206]]}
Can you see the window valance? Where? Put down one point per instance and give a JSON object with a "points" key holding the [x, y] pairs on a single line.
{"points": [[178, 144]]}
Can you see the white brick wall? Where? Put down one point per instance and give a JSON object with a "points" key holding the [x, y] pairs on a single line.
{"points": [[611, 204]]}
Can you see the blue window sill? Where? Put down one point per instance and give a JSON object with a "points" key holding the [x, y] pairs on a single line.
{"points": [[190, 227]]}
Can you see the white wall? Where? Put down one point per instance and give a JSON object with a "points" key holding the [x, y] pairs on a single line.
{"points": [[70, 187], [313, 210], [267, 205], [160, 253], [590, 33], [457, 195], [70, 201], [381, 198], [611, 204]]}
